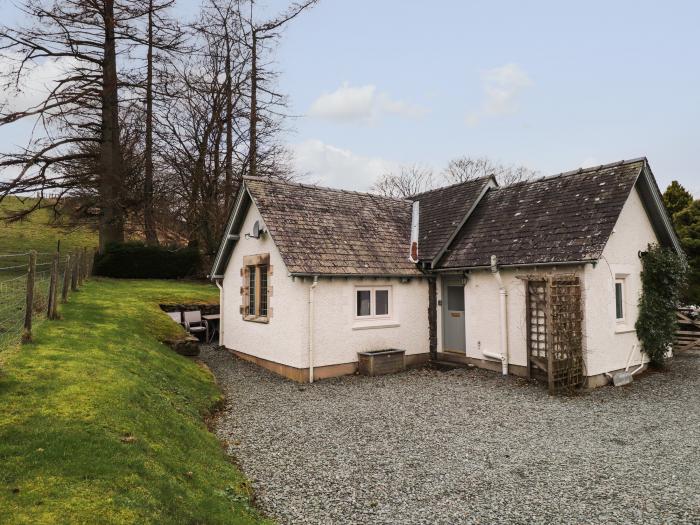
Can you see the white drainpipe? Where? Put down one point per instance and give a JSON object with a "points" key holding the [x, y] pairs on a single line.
{"points": [[503, 303], [221, 311], [311, 329]]}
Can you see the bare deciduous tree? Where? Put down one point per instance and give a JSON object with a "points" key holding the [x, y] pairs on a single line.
{"points": [[257, 35], [413, 179], [410, 180], [81, 107], [463, 169], [168, 134]]}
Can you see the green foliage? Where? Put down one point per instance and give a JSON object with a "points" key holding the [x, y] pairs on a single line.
{"points": [[663, 277], [676, 198], [101, 423], [135, 260], [687, 223]]}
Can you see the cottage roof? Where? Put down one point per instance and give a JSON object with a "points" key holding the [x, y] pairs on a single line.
{"points": [[329, 231], [443, 211], [561, 219]]}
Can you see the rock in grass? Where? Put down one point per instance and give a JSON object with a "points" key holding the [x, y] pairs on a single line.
{"points": [[188, 346]]}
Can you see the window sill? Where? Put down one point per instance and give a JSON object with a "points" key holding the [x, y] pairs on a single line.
{"points": [[624, 329], [254, 319], [369, 325]]}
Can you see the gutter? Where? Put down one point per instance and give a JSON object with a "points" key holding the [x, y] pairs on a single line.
{"points": [[416, 275], [524, 265], [311, 328]]}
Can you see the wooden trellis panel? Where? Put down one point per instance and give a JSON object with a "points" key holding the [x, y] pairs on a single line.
{"points": [[554, 331], [537, 328], [567, 339]]}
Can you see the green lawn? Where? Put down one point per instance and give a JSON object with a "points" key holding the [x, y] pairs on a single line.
{"points": [[101, 423], [40, 231]]}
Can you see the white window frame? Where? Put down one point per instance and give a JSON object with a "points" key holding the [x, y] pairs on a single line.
{"points": [[373, 302], [623, 291]]}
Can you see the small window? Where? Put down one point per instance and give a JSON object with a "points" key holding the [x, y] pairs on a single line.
{"points": [[257, 291], [455, 298], [619, 300], [251, 290], [262, 272], [373, 302], [363, 303], [382, 302]]}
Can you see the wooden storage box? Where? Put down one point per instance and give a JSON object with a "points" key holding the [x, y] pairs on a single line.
{"points": [[378, 362]]}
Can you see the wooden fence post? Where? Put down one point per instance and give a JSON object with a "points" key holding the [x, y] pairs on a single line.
{"points": [[81, 267], [74, 274], [91, 262], [66, 280], [86, 264], [31, 271], [53, 285]]}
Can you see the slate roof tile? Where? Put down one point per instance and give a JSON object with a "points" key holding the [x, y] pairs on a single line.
{"points": [[336, 232], [441, 212], [565, 218]]}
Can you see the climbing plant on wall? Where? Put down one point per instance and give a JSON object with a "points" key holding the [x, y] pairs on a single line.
{"points": [[663, 279]]}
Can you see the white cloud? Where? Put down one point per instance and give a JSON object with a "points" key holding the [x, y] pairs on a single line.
{"points": [[501, 87], [37, 81], [362, 104], [329, 165]]}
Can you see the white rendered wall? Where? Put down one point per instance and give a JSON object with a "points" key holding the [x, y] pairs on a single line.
{"points": [[283, 339], [609, 342], [482, 306], [338, 335]]}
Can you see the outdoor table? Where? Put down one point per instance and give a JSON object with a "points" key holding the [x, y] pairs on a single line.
{"points": [[212, 320]]}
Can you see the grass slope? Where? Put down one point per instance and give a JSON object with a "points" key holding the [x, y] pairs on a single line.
{"points": [[101, 423], [39, 232]]}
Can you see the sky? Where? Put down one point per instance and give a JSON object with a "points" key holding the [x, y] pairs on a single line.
{"points": [[552, 85]]}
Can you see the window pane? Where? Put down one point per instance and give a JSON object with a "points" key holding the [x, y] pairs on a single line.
{"points": [[251, 290], [455, 298], [363, 298], [381, 302], [263, 290], [618, 301]]}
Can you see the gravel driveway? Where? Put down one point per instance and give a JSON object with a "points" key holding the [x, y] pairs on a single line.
{"points": [[465, 446]]}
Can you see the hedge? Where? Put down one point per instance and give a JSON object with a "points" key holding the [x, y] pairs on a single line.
{"points": [[135, 260]]}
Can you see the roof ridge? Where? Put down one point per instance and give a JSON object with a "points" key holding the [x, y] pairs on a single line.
{"points": [[450, 186], [327, 188], [578, 171]]}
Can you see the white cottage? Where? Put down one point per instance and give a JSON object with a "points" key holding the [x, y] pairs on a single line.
{"points": [[537, 279]]}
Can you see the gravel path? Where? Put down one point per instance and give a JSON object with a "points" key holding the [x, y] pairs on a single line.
{"points": [[466, 446]]}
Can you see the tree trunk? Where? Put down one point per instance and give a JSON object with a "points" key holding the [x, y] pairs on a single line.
{"points": [[148, 219], [228, 162], [253, 150], [111, 161]]}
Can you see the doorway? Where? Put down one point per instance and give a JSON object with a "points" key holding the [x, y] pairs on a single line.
{"points": [[453, 326]]}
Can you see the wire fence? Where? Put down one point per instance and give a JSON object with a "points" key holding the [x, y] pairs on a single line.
{"points": [[32, 285]]}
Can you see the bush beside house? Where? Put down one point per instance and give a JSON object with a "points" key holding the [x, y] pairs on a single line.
{"points": [[135, 260]]}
